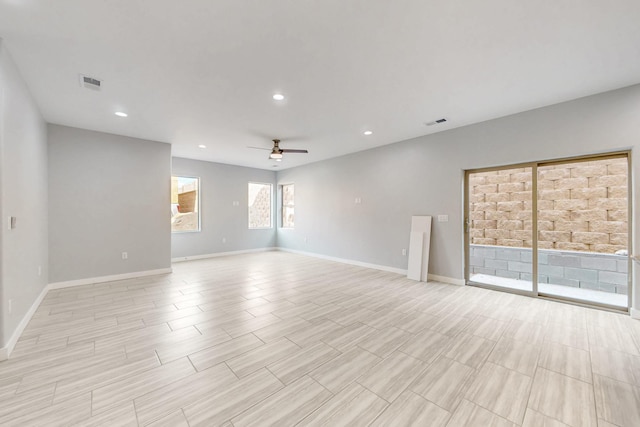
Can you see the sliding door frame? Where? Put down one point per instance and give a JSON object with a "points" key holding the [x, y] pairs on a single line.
{"points": [[534, 228]]}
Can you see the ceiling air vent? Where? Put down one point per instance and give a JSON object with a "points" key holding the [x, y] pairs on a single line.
{"points": [[436, 122], [90, 82]]}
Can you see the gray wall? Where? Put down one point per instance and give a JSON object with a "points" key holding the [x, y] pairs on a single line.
{"points": [[108, 194], [221, 185], [23, 194], [424, 176]]}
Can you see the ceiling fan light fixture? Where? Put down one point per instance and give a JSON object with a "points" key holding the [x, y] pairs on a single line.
{"points": [[275, 155]]}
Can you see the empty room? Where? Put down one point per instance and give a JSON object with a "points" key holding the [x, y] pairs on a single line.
{"points": [[338, 213]]}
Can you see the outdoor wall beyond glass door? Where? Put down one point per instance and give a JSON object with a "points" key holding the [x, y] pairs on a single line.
{"points": [[185, 204], [583, 230], [500, 227]]}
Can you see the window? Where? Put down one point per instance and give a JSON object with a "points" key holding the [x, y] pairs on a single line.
{"points": [[185, 215], [259, 205], [287, 206]]}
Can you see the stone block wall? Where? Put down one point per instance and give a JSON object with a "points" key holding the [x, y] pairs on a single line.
{"points": [[603, 272], [187, 201], [582, 206]]}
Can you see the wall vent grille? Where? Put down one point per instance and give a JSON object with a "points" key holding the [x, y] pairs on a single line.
{"points": [[88, 82], [436, 122]]}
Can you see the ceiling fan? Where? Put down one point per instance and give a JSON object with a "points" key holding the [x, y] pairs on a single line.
{"points": [[276, 151]]}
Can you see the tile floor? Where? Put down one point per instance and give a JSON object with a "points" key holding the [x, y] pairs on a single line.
{"points": [[282, 339]]}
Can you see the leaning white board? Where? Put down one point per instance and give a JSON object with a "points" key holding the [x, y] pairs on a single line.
{"points": [[419, 245]]}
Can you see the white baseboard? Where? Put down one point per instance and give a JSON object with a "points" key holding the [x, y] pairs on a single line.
{"points": [[347, 261], [434, 277], [445, 279], [219, 254], [5, 351], [635, 313], [103, 279]]}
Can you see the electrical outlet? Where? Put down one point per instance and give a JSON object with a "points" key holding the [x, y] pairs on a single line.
{"points": [[10, 306], [224, 240], [443, 218], [358, 201], [125, 255], [39, 270], [404, 252]]}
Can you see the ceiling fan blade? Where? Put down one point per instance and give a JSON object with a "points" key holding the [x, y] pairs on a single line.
{"points": [[259, 148], [289, 150]]}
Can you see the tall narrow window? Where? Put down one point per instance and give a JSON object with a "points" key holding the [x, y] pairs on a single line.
{"points": [[287, 206], [260, 205], [185, 204]]}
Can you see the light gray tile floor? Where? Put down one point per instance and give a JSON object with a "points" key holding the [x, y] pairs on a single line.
{"points": [[282, 339]]}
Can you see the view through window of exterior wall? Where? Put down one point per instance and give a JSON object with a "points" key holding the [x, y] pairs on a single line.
{"points": [[259, 205], [185, 204], [287, 206], [582, 220]]}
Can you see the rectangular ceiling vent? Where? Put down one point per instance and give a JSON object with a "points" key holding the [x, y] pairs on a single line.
{"points": [[90, 82], [436, 122]]}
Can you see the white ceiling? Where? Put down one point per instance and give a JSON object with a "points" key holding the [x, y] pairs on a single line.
{"points": [[203, 72]]}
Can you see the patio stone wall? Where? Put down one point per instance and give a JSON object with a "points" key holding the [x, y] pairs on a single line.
{"points": [[603, 272], [582, 206]]}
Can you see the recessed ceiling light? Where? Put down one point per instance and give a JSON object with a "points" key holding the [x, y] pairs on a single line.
{"points": [[121, 114], [278, 97], [368, 132], [202, 146]]}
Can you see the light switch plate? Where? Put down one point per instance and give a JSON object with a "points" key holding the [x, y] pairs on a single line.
{"points": [[443, 218]]}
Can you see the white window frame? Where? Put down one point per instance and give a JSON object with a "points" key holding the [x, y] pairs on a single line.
{"points": [[198, 204], [282, 207], [270, 205]]}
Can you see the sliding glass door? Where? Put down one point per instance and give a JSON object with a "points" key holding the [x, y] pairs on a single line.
{"points": [[570, 241], [583, 230], [500, 228]]}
